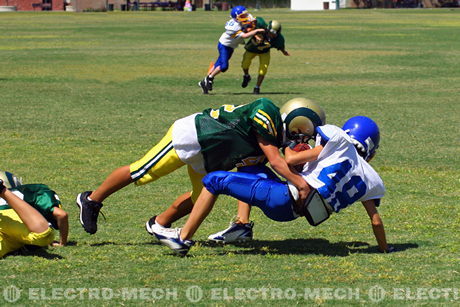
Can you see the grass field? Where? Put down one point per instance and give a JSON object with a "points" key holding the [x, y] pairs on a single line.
{"points": [[81, 94]]}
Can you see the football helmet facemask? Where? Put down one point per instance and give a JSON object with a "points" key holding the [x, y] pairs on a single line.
{"points": [[365, 135], [301, 116]]}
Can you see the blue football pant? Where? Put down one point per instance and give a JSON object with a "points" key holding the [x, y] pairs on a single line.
{"points": [[225, 53], [272, 196]]}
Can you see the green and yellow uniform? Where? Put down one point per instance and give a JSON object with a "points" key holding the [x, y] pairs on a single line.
{"points": [[261, 48], [215, 139], [13, 233]]}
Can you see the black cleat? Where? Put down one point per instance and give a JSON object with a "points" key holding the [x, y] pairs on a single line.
{"points": [[203, 86], [209, 81], [89, 211], [256, 91], [246, 80]]}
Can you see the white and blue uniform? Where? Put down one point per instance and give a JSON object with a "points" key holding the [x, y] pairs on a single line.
{"points": [[340, 175], [228, 41]]}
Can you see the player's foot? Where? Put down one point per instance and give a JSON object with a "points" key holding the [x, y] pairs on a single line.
{"points": [[89, 211], [203, 86], [246, 80], [152, 226], [236, 232], [171, 238], [256, 91], [209, 82]]}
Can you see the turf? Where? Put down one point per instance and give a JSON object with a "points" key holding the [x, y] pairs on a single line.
{"points": [[81, 94]]}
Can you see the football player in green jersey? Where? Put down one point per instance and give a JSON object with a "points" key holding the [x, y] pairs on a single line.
{"points": [[28, 214], [259, 45], [232, 136]]}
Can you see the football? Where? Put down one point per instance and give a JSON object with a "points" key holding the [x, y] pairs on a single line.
{"points": [[301, 147]]}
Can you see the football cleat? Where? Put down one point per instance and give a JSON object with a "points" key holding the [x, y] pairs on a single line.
{"points": [[203, 86], [235, 233], [89, 211], [246, 80], [209, 81], [152, 226], [171, 238], [256, 91]]}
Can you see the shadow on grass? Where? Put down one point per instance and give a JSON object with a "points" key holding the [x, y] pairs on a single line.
{"points": [[124, 243], [35, 251], [261, 95], [309, 246]]}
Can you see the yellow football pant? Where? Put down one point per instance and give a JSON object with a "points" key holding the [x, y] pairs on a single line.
{"points": [[161, 160], [14, 233], [264, 61]]}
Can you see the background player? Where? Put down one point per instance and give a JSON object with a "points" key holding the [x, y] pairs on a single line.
{"points": [[259, 45], [28, 214], [337, 168], [228, 41], [215, 139]]}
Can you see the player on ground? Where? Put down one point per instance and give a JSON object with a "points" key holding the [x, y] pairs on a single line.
{"points": [[215, 139], [259, 45], [336, 170], [233, 36], [241, 229], [28, 214]]}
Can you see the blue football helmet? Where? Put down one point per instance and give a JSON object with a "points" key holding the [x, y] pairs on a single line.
{"points": [[9, 180], [240, 13], [365, 135]]}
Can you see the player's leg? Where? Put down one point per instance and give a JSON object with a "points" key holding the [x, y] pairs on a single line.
{"points": [[32, 219], [271, 196], [264, 62], [159, 161], [245, 64], [241, 229]]}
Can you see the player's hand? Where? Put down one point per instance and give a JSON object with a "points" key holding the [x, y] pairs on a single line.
{"points": [[304, 190], [2, 187]]}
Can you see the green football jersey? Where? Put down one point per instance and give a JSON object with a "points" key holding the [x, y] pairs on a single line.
{"points": [[39, 196], [267, 43], [228, 135]]}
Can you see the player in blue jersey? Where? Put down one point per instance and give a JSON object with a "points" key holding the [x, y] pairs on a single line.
{"points": [[233, 36], [336, 170]]}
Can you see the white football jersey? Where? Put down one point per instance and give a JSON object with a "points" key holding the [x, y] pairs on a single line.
{"points": [[340, 174], [231, 37]]}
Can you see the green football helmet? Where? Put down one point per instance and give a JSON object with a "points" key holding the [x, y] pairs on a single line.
{"points": [[301, 116], [9, 180]]}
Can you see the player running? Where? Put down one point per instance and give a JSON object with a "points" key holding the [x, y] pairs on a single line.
{"points": [[336, 170], [215, 139], [259, 45], [233, 36]]}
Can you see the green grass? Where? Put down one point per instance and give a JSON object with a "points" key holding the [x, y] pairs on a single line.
{"points": [[81, 94]]}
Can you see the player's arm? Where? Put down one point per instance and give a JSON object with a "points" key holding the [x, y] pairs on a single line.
{"points": [[250, 33], [284, 51], [377, 226], [294, 158], [62, 219], [280, 165]]}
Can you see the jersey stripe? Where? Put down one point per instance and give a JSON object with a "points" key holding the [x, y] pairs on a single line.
{"points": [[150, 163], [268, 121]]}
